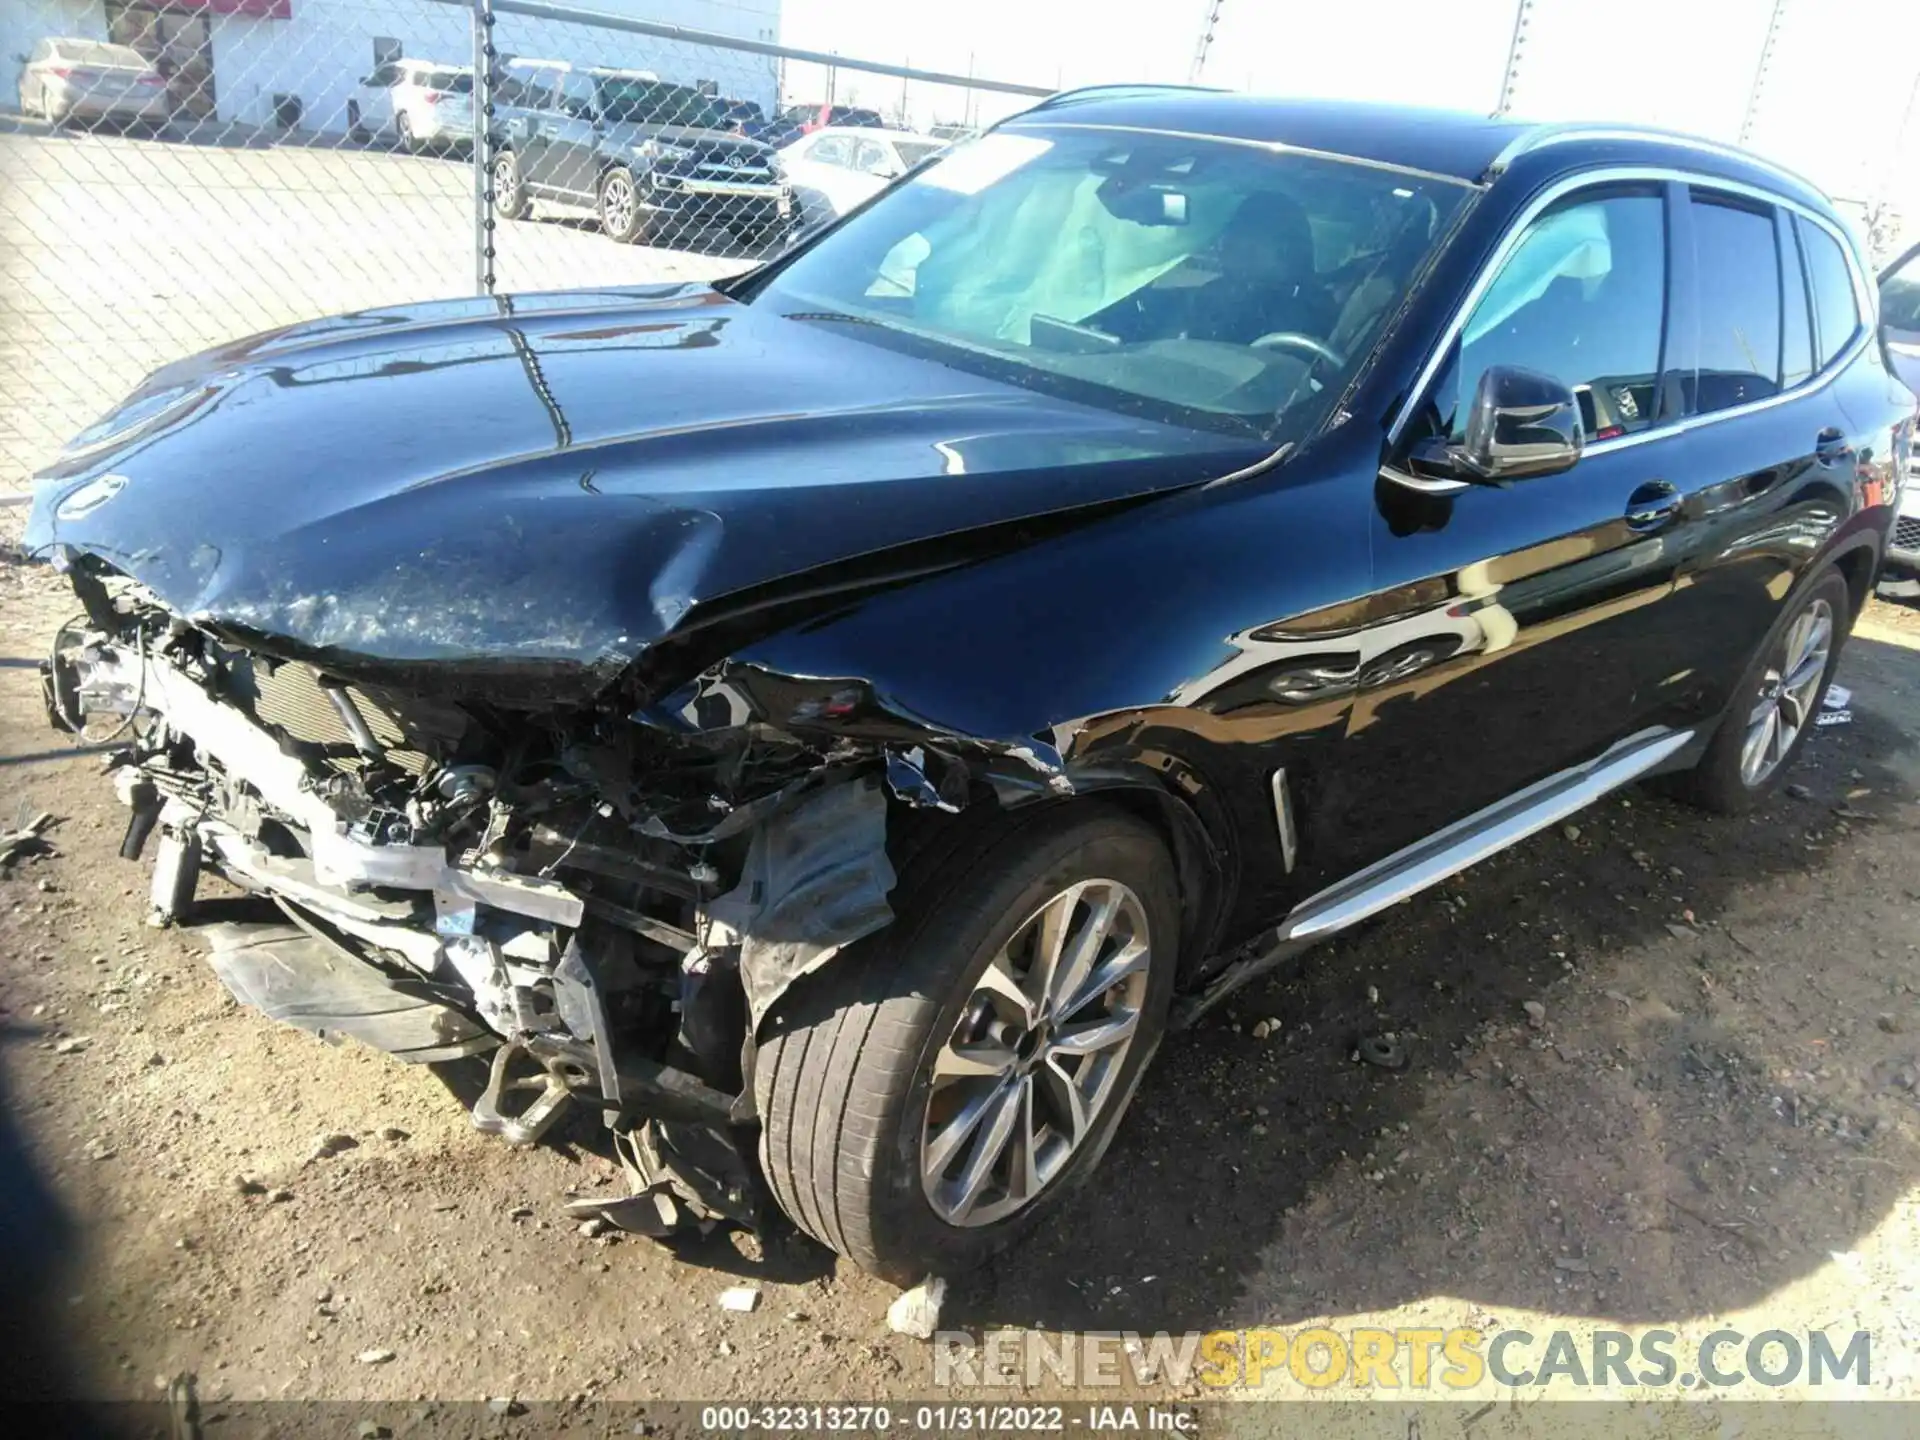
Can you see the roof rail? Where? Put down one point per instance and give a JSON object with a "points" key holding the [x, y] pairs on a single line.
{"points": [[1541, 136], [1137, 87]]}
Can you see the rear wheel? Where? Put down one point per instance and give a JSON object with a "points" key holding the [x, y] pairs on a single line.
{"points": [[356, 127], [403, 127], [509, 188], [1776, 704], [621, 215], [931, 1095]]}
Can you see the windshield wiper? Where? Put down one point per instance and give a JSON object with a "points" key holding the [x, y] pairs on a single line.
{"points": [[836, 317]]}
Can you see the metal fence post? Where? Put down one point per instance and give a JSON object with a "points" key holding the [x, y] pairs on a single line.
{"points": [[482, 162], [1752, 111], [1522, 12], [1205, 43]]}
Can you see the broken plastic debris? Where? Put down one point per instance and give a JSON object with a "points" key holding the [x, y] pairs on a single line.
{"points": [[917, 1311], [1389, 1052], [744, 1298]]}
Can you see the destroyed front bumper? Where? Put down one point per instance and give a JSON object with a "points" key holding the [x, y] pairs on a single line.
{"points": [[406, 946]]}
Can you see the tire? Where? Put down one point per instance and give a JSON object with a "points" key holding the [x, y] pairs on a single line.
{"points": [[356, 131], [623, 222], [403, 130], [509, 188], [844, 1076], [1725, 780]]}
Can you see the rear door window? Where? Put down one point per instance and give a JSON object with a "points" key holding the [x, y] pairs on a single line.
{"points": [[1836, 308], [1583, 299], [874, 159], [1737, 277]]}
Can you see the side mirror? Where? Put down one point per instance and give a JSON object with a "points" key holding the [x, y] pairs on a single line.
{"points": [[1521, 424]]}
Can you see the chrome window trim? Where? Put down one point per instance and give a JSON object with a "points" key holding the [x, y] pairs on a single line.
{"points": [[1645, 174], [1272, 147], [1574, 132]]}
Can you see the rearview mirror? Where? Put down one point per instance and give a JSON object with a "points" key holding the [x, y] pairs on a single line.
{"points": [[1521, 424]]}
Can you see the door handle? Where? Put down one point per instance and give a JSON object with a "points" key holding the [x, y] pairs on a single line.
{"points": [[1652, 505], [1830, 446]]}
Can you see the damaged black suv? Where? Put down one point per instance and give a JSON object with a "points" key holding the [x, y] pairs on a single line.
{"points": [[834, 721]]}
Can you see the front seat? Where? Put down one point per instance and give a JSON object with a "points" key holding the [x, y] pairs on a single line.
{"points": [[1267, 280]]}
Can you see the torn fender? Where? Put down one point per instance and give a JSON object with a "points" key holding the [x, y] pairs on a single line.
{"points": [[816, 879]]}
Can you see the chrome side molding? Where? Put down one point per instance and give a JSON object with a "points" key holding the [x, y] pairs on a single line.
{"points": [[1446, 852]]}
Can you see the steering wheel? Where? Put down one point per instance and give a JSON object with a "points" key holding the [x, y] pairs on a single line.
{"points": [[1294, 340]]}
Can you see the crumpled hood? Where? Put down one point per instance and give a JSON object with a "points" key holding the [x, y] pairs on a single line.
{"points": [[559, 479]]}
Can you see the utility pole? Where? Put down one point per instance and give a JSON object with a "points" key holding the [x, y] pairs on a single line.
{"points": [[1760, 71], [1207, 27], [1522, 13]]}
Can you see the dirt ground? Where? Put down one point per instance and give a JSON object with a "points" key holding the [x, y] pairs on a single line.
{"points": [[1711, 1119]]}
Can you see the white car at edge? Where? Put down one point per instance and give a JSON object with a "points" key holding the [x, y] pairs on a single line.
{"points": [[836, 168]]}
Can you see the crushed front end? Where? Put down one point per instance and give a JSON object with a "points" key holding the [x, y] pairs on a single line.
{"points": [[600, 907]]}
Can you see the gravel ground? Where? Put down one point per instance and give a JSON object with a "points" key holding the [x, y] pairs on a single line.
{"points": [[1710, 1119]]}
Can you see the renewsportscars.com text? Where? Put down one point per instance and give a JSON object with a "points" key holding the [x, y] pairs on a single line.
{"points": [[1363, 1359]]}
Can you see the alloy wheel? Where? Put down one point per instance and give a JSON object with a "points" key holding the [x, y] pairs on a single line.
{"points": [[617, 203], [1788, 689], [1037, 1053], [506, 179]]}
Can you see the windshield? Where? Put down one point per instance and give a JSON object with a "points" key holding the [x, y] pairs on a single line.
{"points": [[1218, 285], [654, 102]]}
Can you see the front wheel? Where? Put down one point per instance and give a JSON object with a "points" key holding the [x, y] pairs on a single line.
{"points": [[1777, 704], [931, 1095], [621, 215]]}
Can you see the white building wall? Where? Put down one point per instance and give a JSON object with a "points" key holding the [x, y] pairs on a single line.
{"points": [[25, 23], [322, 51]]}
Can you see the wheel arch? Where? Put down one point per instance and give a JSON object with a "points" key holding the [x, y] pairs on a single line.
{"points": [[1858, 561], [1171, 806]]}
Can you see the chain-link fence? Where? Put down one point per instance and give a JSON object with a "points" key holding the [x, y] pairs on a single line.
{"points": [[179, 173]]}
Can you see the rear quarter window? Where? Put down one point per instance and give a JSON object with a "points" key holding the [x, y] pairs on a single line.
{"points": [[1836, 308]]}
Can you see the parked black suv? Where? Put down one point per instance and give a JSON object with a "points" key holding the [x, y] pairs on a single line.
{"points": [[835, 720], [654, 160]]}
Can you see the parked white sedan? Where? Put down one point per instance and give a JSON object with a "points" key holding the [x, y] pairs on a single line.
{"points": [[63, 80], [416, 102], [834, 169]]}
